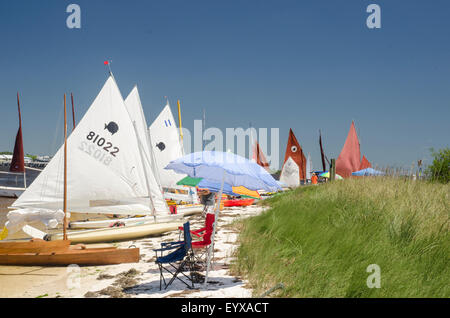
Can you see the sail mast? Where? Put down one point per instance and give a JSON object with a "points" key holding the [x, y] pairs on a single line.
{"points": [[181, 129], [73, 111], [65, 171], [322, 154]]}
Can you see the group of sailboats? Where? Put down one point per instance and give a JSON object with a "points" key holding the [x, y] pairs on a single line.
{"points": [[111, 168], [298, 169]]}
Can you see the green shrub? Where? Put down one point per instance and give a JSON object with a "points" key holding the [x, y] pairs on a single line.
{"points": [[439, 170]]}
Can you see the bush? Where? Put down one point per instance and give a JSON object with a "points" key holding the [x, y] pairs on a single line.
{"points": [[439, 170]]}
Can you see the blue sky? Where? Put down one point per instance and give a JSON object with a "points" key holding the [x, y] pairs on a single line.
{"points": [[305, 65]]}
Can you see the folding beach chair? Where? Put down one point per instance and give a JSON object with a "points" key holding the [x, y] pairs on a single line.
{"points": [[176, 262], [200, 247]]}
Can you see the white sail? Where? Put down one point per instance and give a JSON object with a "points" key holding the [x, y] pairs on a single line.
{"points": [[290, 173], [309, 167], [136, 112], [105, 169], [166, 146]]}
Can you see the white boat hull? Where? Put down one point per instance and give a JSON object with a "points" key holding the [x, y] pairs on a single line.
{"points": [[118, 233], [11, 192], [182, 212]]}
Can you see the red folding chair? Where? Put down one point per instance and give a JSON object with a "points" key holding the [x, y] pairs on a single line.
{"points": [[201, 247]]}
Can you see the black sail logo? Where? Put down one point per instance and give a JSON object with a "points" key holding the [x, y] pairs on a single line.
{"points": [[161, 146], [112, 127]]}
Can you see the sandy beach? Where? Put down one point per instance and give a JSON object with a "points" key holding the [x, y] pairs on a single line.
{"points": [[136, 279]]}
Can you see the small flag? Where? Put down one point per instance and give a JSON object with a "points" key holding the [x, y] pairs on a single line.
{"points": [[106, 62]]}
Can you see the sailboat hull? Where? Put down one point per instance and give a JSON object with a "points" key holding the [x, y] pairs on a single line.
{"points": [[11, 192], [33, 246], [44, 253], [105, 256], [97, 224], [118, 233]]}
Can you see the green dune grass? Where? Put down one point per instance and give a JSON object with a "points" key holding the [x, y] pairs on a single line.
{"points": [[318, 241]]}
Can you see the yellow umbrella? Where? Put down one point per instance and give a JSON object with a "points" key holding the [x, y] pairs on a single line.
{"points": [[246, 192]]}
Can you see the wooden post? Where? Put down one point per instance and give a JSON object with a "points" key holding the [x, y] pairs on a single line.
{"points": [[65, 171], [333, 170]]}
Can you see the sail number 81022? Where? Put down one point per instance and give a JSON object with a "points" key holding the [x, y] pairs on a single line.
{"points": [[99, 149]]}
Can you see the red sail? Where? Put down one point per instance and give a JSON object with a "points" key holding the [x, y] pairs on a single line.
{"points": [[364, 164], [294, 151], [350, 157], [17, 162], [259, 157]]}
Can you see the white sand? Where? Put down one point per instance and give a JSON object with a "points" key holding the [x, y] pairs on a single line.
{"points": [[18, 281]]}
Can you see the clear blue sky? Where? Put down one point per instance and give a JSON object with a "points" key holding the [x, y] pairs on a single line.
{"points": [[295, 64]]}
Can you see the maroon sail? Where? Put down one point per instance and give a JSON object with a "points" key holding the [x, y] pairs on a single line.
{"points": [[259, 157], [349, 159], [294, 150], [17, 162]]}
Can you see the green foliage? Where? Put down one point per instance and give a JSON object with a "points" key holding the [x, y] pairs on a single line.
{"points": [[318, 241], [439, 170]]}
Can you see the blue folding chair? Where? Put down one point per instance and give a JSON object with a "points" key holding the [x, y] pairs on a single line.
{"points": [[178, 260]]}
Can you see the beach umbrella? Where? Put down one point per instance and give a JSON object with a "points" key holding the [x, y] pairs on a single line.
{"points": [[217, 166], [368, 172], [215, 187], [206, 184], [224, 168], [326, 174]]}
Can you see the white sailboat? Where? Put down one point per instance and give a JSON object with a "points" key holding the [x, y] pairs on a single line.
{"points": [[289, 173], [309, 167], [108, 172], [166, 146], [134, 107]]}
